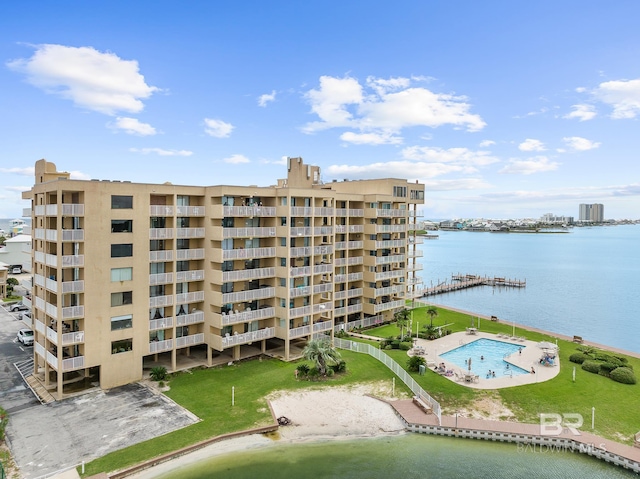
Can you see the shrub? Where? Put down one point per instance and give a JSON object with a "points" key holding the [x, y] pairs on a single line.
{"points": [[606, 368], [4, 419], [303, 369], [161, 384], [578, 358], [314, 373], [623, 375], [330, 372], [406, 346], [340, 366], [414, 363], [395, 344], [388, 346], [158, 373], [591, 366]]}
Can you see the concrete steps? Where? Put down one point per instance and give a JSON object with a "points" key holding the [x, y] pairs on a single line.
{"points": [[25, 368]]}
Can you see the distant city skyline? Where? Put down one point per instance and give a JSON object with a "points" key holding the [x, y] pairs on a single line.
{"points": [[501, 110]]}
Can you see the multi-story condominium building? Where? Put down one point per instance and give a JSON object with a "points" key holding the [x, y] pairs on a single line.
{"points": [[591, 212], [128, 276]]}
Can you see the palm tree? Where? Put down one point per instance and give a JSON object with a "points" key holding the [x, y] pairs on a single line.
{"points": [[402, 318], [321, 352], [432, 312]]}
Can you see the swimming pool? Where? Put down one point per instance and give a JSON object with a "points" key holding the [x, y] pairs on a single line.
{"points": [[492, 352]]}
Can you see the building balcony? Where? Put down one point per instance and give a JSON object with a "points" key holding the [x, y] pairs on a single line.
{"points": [[190, 340], [192, 297], [340, 262], [160, 346], [231, 318], [160, 323], [73, 312], [188, 254], [71, 364], [189, 232], [301, 231], [320, 250], [354, 308], [161, 256], [339, 311], [27, 302], [68, 209], [76, 337], [322, 308], [388, 213], [160, 278], [304, 211], [26, 212], [343, 278], [390, 228], [248, 211], [415, 267], [415, 253], [248, 253], [160, 210], [398, 289], [257, 232], [322, 230], [322, 326], [300, 271], [160, 301], [185, 276], [322, 288], [248, 274], [300, 251], [299, 291], [249, 295], [349, 228], [391, 244], [323, 211], [349, 212], [160, 233], [355, 260], [323, 268], [300, 332], [185, 211], [72, 260], [400, 273], [299, 312], [388, 306], [378, 260], [238, 339], [194, 317]]}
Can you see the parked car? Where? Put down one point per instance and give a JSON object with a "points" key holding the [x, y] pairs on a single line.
{"points": [[18, 307], [16, 270], [25, 336]]}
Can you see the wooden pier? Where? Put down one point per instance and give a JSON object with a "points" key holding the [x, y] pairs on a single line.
{"points": [[464, 281]]}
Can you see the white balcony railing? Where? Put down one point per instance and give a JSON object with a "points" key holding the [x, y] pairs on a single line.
{"points": [[161, 233], [355, 244], [160, 210], [323, 211], [236, 339], [192, 297], [189, 232], [187, 254], [304, 211], [298, 312], [189, 340], [391, 244], [248, 253], [349, 212], [71, 364], [389, 290], [256, 232], [390, 305], [196, 275], [70, 286], [160, 323], [322, 288], [301, 231], [249, 211], [355, 260], [73, 260], [299, 332], [323, 230], [246, 316], [400, 273], [73, 312], [300, 291], [300, 271], [160, 346], [326, 249], [249, 295], [248, 274], [159, 301], [354, 308], [322, 308], [160, 278], [322, 268], [161, 256], [391, 213], [190, 210], [300, 251], [76, 337], [396, 258], [72, 235], [390, 228], [322, 326], [191, 318]]}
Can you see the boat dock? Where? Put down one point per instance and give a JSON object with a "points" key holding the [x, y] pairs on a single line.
{"points": [[464, 281]]}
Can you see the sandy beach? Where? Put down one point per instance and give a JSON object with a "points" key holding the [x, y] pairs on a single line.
{"points": [[325, 413]]}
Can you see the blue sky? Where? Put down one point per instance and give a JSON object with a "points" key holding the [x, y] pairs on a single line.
{"points": [[503, 109]]}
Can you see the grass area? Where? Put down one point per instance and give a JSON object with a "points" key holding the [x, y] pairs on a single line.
{"points": [[617, 405], [207, 394]]}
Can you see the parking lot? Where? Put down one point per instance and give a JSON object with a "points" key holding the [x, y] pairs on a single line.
{"points": [[48, 438]]}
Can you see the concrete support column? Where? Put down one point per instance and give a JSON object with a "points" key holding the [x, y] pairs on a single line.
{"points": [[173, 360], [236, 352], [286, 349], [46, 374], [263, 346], [60, 376], [209, 356]]}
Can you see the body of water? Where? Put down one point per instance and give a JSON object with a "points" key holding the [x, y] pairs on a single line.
{"points": [[583, 282], [409, 456]]}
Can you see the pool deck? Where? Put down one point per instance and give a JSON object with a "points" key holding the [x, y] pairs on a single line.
{"points": [[529, 358]]}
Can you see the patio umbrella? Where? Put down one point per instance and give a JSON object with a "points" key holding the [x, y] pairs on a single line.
{"points": [[469, 364], [547, 345]]}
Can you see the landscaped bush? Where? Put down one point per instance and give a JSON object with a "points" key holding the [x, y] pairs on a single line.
{"points": [[395, 344], [606, 368], [4, 419], [591, 366], [158, 373], [578, 358], [340, 366], [414, 363], [623, 375], [314, 373], [406, 346], [303, 369]]}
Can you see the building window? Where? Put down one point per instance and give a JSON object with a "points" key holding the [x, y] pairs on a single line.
{"points": [[121, 226], [121, 274], [124, 297], [283, 241], [400, 191], [121, 202], [121, 346], [121, 250], [121, 322]]}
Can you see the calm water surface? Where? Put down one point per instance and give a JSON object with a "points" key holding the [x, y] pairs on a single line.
{"points": [[584, 282], [408, 456]]}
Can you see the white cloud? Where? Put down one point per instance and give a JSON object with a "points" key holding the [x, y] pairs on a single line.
{"points": [[28, 171], [92, 79], [460, 156], [266, 98], [581, 112], [132, 126], [456, 185], [580, 144], [78, 175], [161, 151], [236, 159], [581, 89], [19, 189], [282, 161], [622, 95], [384, 108], [384, 138], [395, 169], [533, 165], [531, 145], [218, 128], [486, 143]]}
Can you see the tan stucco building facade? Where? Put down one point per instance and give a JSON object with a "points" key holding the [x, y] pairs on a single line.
{"points": [[127, 276]]}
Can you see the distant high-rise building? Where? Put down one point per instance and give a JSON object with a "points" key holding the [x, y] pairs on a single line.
{"points": [[592, 212]]}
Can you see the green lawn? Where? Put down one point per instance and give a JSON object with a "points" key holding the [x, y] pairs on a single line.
{"points": [[617, 405], [207, 393]]}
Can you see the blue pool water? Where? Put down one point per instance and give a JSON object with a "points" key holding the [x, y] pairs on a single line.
{"points": [[492, 352]]}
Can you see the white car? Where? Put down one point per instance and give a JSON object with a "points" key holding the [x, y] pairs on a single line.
{"points": [[25, 336], [18, 307]]}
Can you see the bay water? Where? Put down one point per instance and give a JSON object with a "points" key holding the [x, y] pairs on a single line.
{"points": [[585, 282]]}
